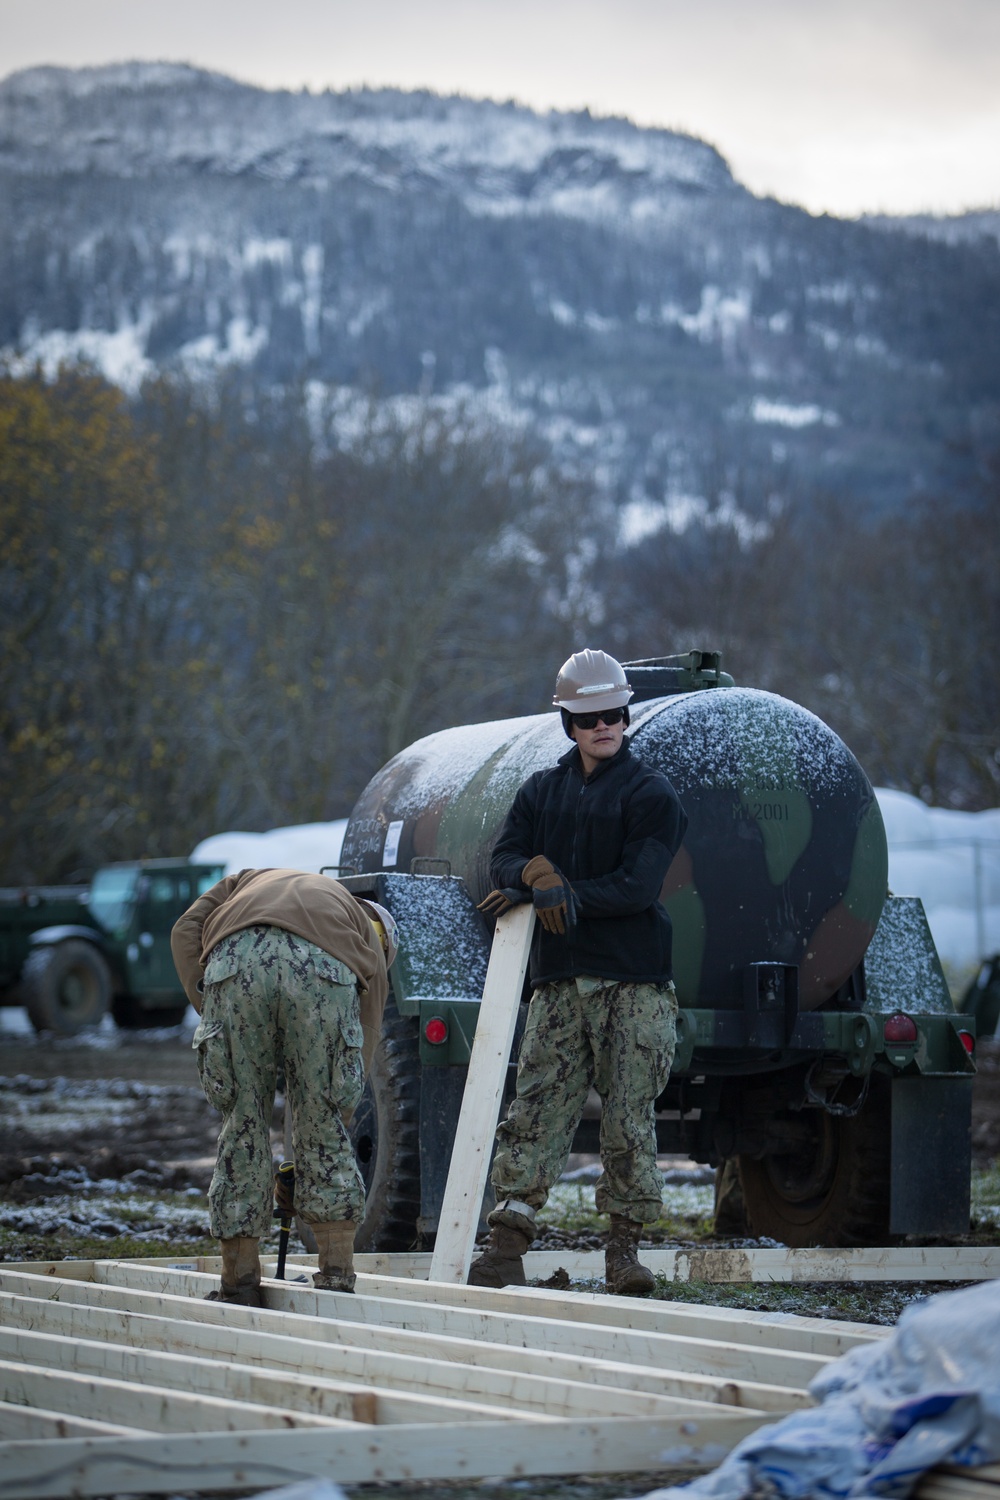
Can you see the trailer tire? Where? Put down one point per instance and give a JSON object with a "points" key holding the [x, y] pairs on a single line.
{"points": [[66, 987], [834, 1193], [385, 1133]]}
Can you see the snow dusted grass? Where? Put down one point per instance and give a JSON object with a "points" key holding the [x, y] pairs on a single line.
{"points": [[986, 1198], [688, 1205]]}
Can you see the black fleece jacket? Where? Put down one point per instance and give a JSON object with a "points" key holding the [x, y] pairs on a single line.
{"points": [[613, 836]]}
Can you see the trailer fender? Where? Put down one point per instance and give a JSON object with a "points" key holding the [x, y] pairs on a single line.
{"points": [[46, 936]]}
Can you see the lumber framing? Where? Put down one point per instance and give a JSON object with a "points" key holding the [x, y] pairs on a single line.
{"points": [[477, 1121], [118, 1377]]}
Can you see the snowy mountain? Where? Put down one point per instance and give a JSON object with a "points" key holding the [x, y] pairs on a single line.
{"points": [[697, 351]]}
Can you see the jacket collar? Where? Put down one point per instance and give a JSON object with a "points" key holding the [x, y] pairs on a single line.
{"points": [[571, 760]]}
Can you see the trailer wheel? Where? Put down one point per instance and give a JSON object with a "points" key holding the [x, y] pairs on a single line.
{"points": [[831, 1187], [385, 1132], [66, 987]]}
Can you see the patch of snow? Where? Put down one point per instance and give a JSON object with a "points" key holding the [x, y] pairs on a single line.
{"points": [[719, 317], [119, 356], [784, 414], [276, 252]]}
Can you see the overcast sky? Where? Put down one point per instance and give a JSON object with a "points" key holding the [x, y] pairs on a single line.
{"points": [[840, 105]]}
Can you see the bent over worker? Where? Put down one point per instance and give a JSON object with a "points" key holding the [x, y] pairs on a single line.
{"points": [[589, 842], [286, 970]]}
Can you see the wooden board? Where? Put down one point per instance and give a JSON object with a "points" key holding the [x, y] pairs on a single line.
{"points": [[713, 1264], [484, 1084]]}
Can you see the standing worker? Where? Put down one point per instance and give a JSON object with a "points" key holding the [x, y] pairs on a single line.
{"points": [[589, 842], [292, 970]]}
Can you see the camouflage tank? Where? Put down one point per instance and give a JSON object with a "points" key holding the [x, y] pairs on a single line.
{"points": [[776, 895]]}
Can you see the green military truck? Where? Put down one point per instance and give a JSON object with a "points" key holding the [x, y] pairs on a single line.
{"points": [[818, 1046], [74, 954]]}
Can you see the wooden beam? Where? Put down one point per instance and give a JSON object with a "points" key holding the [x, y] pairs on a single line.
{"points": [[728, 1324], [313, 1312], [148, 1406], [484, 1084], [215, 1461], [713, 1264], [20, 1422]]}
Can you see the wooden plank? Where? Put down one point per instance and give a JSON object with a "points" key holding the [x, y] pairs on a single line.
{"points": [[157, 1465], [484, 1084], [454, 1364], [153, 1408], [730, 1324], [680, 1352], [713, 1264], [20, 1422], [515, 1392]]}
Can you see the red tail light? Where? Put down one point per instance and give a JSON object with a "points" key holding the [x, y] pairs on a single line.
{"points": [[436, 1031], [968, 1041], [900, 1028]]}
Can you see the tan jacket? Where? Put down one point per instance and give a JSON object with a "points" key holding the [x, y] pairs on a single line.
{"points": [[314, 907]]}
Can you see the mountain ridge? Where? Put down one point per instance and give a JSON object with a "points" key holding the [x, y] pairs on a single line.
{"points": [[691, 348]]}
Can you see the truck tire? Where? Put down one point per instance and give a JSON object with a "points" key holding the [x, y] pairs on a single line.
{"points": [[66, 986], [833, 1191], [385, 1133]]}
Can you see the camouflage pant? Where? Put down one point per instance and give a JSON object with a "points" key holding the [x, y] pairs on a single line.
{"points": [[275, 1000], [618, 1037]]}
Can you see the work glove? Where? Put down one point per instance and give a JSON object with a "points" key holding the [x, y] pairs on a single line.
{"points": [[500, 900], [551, 893], [284, 1190]]}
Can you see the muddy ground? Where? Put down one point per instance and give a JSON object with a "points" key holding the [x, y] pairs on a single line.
{"points": [[125, 1108], [107, 1147]]}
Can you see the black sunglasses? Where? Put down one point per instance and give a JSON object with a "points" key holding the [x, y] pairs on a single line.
{"points": [[608, 716]]}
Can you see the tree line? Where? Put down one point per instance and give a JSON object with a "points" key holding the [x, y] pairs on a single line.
{"points": [[220, 608]]}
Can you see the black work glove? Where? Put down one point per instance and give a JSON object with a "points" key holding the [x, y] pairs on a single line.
{"points": [[552, 894], [501, 900]]}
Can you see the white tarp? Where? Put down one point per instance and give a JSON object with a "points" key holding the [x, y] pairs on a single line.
{"points": [[927, 1395]]}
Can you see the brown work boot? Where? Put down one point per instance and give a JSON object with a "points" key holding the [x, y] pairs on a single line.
{"points": [[335, 1250], [501, 1263], [623, 1274], [240, 1273]]}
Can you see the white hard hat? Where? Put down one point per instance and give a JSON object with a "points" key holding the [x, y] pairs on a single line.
{"points": [[590, 681], [384, 924]]}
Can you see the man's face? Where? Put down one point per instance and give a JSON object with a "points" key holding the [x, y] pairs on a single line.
{"points": [[600, 743]]}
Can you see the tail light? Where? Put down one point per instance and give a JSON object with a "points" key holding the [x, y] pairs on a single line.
{"points": [[900, 1028], [968, 1041], [436, 1031]]}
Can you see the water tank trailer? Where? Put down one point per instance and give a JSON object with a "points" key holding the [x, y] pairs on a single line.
{"points": [[818, 1047]]}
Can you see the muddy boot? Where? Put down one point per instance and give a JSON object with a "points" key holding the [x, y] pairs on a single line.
{"points": [[500, 1263], [623, 1274], [335, 1250], [240, 1273]]}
